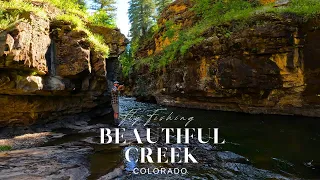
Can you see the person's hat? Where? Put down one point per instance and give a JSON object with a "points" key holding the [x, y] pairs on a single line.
{"points": [[116, 82]]}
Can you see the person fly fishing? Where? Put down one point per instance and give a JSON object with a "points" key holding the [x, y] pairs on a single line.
{"points": [[115, 100]]}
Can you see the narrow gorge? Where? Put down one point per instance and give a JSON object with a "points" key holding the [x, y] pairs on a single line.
{"points": [[159, 89], [264, 64]]}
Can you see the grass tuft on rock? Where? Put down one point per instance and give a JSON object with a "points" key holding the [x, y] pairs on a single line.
{"points": [[68, 6], [71, 12], [5, 148], [96, 41]]}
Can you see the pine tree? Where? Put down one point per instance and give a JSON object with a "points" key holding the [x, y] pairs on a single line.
{"points": [[105, 12], [161, 4], [127, 61], [141, 16], [106, 5]]}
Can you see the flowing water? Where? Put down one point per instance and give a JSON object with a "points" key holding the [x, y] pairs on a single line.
{"points": [[287, 145]]}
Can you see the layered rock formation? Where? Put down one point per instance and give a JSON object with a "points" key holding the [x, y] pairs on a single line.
{"points": [[271, 66], [49, 70]]}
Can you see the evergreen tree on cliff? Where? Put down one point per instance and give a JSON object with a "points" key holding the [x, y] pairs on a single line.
{"points": [[161, 4], [106, 5], [141, 16], [105, 12]]}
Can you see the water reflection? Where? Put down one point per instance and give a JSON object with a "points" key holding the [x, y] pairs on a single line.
{"points": [[282, 144], [133, 156]]}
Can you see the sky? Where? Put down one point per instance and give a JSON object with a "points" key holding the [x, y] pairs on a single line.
{"points": [[122, 16]]}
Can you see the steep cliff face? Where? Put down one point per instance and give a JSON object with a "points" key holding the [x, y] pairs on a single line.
{"points": [[270, 66], [49, 70]]}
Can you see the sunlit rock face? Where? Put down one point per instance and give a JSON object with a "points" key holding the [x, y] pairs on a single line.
{"points": [[48, 70], [269, 66]]}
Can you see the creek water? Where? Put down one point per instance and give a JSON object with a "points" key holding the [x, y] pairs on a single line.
{"points": [[286, 145]]}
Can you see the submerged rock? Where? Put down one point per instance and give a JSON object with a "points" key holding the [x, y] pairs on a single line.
{"points": [[116, 173], [227, 156]]}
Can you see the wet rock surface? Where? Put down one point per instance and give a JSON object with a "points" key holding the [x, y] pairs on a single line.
{"points": [[71, 160], [30, 140], [212, 165], [66, 161], [72, 124], [77, 152], [44, 154], [217, 164]]}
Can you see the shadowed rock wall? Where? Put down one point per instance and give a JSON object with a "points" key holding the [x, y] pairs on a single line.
{"points": [[271, 66], [48, 70]]}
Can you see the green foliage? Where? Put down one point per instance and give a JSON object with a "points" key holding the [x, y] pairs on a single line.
{"points": [[143, 27], [6, 19], [223, 11], [96, 41], [5, 148], [106, 5], [82, 4], [161, 4], [10, 10], [74, 11], [102, 18], [171, 29], [305, 8], [21, 6], [77, 16], [211, 14], [141, 16], [75, 7], [73, 19], [105, 14], [215, 13], [154, 28], [127, 61], [98, 44]]}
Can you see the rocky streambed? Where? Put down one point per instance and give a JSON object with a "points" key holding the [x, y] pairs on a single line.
{"points": [[71, 149]]}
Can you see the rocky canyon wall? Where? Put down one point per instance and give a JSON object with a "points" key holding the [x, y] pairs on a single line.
{"points": [[269, 66], [48, 70]]}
